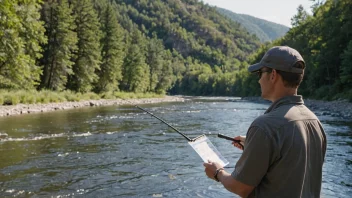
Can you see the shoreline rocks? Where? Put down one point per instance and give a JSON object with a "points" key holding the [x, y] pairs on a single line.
{"points": [[40, 108], [337, 108]]}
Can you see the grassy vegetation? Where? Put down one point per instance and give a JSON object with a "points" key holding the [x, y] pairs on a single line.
{"points": [[45, 96]]}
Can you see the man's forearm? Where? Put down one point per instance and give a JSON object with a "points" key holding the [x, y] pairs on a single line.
{"points": [[233, 185]]}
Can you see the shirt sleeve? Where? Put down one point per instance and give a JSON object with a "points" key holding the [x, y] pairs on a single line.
{"points": [[255, 159]]}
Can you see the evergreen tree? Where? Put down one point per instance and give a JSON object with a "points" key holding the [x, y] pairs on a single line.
{"points": [[155, 60], [300, 17], [135, 71], [166, 77], [112, 50], [87, 59], [20, 35], [346, 68], [62, 42]]}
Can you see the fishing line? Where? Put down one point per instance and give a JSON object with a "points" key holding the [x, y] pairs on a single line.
{"points": [[185, 136]]}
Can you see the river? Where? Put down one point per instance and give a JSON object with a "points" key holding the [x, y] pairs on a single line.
{"points": [[119, 151]]}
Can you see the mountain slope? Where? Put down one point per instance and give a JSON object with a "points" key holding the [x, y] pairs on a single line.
{"points": [[263, 29], [191, 28]]}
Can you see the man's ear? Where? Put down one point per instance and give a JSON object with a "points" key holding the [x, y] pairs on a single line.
{"points": [[273, 75]]}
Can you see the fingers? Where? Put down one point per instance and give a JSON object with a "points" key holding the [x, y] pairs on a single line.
{"points": [[211, 164], [241, 138], [238, 145], [241, 144]]}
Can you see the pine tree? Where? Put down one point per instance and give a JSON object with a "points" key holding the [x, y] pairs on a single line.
{"points": [[20, 35], [62, 42], [346, 68], [166, 77], [154, 58], [300, 17], [135, 71], [112, 50], [87, 60]]}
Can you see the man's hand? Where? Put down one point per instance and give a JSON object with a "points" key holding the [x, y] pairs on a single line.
{"points": [[242, 139], [210, 168], [227, 180]]}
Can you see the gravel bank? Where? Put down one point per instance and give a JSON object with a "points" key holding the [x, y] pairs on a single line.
{"points": [[337, 108], [39, 108]]}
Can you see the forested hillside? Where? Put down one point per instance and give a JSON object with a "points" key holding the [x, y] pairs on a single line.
{"points": [[161, 46], [121, 45], [325, 42], [263, 29]]}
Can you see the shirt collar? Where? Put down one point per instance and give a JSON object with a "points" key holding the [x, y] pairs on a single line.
{"points": [[296, 99]]}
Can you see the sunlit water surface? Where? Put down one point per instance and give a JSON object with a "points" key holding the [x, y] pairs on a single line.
{"points": [[119, 151]]}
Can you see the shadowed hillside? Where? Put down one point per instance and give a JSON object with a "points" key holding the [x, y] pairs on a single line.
{"points": [[263, 29]]}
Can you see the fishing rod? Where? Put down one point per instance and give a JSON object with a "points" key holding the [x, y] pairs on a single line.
{"points": [[194, 139], [185, 136]]}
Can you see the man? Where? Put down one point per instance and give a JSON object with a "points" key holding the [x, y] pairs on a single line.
{"points": [[284, 149]]}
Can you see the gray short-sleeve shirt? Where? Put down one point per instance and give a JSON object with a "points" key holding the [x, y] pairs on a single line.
{"points": [[284, 152]]}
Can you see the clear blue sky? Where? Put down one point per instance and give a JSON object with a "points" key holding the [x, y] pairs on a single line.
{"points": [[278, 11]]}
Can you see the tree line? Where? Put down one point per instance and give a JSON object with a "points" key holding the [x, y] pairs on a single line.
{"points": [[133, 46], [77, 45], [162, 46]]}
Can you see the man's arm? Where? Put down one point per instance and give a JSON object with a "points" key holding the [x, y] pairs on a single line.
{"points": [[233, 185], [250, 168], [227, 180]]}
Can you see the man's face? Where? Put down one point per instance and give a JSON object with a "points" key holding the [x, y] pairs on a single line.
{"points": [[264, 81]]}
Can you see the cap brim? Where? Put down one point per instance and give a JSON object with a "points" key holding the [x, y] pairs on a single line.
{"points": [[255, 67]]}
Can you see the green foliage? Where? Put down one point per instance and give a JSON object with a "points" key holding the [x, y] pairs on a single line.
{"points": [[135, 71], [110, 72], [300, 17], [71, 96], [346, 68], [11, 99], [159, 46], [191, 28], [131, 95], [155, 60], [107, 95], [87, 60], [20, 35], [61, 46], [90, 96], [324, 40]]}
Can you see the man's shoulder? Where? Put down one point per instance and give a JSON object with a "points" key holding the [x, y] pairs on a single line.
{"points": [[263, 124]]}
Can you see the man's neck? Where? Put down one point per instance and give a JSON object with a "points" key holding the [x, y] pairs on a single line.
{"points": [[283, 93]]}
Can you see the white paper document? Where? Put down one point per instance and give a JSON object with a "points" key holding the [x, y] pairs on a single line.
{"points": [[207, 151]]}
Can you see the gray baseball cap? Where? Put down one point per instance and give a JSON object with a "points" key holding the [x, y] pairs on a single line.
{"points": [[282, 58]]}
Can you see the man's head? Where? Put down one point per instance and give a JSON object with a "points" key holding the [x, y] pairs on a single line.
{"points": [[283, 63]]}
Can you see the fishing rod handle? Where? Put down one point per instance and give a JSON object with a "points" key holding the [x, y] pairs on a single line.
{"points": [[228, 138]]}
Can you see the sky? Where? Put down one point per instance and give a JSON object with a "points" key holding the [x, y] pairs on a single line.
{"points": [[278, 11]]}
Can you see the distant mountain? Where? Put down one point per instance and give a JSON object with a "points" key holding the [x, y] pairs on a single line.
{"points": [[263, 29]]}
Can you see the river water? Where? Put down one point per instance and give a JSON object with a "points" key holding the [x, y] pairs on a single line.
{"points": [[119, 151]]}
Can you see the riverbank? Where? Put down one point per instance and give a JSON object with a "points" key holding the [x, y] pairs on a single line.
{"points": [[40, 108], [337, 108]]}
